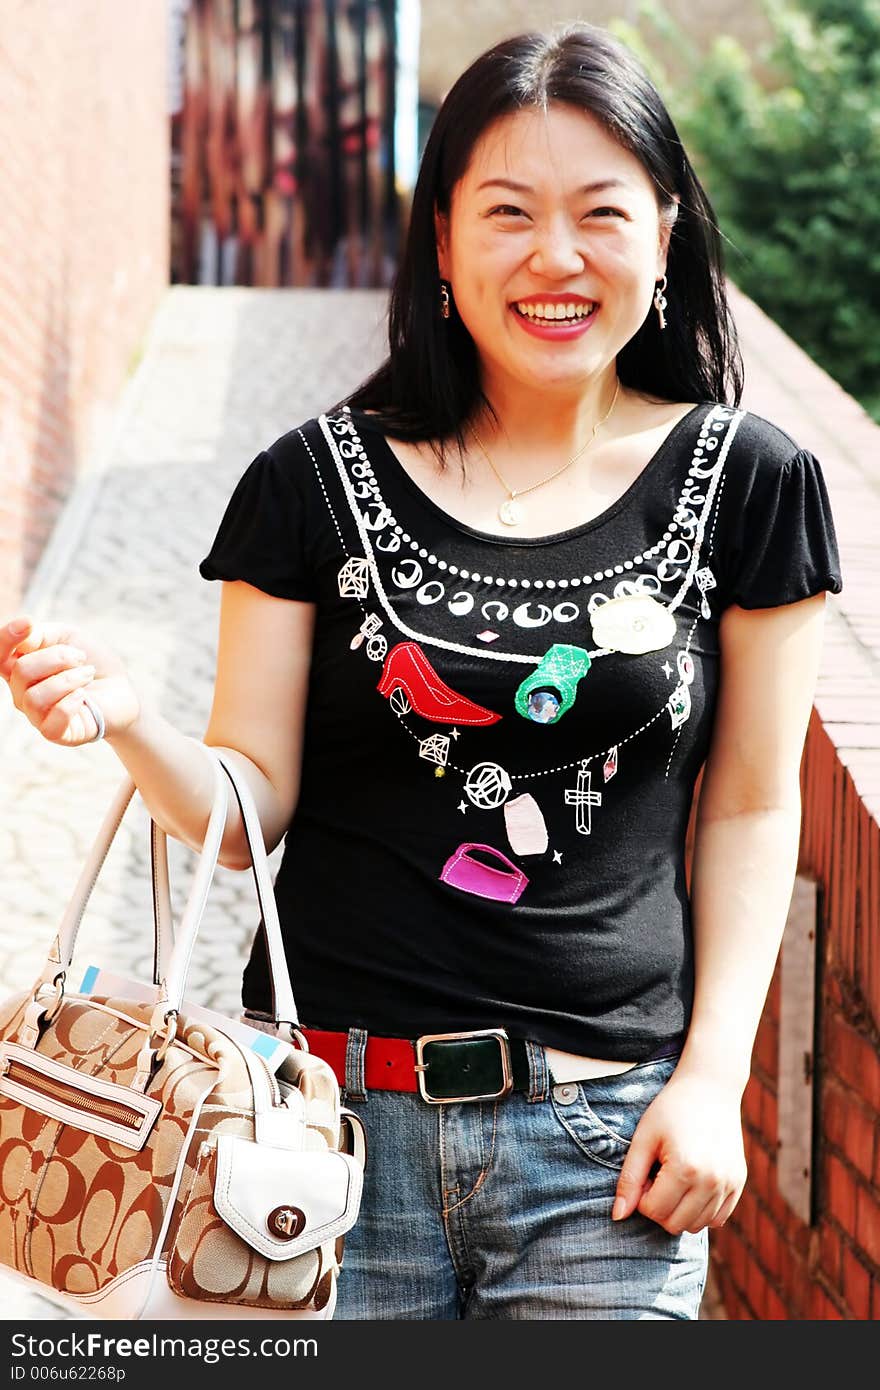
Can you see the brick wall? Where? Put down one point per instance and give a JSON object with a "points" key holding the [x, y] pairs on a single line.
{"points": [[83, 243], [770, 1265], [767, 1263]]}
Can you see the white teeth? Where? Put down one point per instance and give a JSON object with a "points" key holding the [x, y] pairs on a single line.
{"points": [[552, 312]]}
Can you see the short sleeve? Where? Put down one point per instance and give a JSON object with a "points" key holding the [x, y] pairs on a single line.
{"points": [[261, 538], [782, 544]]}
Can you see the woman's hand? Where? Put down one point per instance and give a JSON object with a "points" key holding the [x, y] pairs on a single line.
{"points": [[50, 666], [693, 1130]]}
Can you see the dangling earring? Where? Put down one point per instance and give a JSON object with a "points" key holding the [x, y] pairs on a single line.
{"points": [[444, 300], [660, 302]]}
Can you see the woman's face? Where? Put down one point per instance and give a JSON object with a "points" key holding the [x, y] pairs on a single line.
{"points": [[582, 225]]}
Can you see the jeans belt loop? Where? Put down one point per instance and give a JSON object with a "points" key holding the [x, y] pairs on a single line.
{"points": [[355, 1053], [538, 1074]]}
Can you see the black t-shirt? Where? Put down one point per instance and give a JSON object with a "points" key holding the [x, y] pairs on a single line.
{"points": [[503, 733]]}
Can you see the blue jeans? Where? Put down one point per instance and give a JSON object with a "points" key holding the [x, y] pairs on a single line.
{"points": [[502, 1209]]}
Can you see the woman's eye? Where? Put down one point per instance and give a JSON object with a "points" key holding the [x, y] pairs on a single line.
{"points": [[507, 211]]}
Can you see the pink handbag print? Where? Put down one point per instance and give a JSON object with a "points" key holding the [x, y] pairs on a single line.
{"points": [[471, 875]]}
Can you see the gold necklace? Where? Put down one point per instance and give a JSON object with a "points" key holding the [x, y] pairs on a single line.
{"points": [[509, 512]]}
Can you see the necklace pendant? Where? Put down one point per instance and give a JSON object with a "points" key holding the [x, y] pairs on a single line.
{"points": [[510, 512]]}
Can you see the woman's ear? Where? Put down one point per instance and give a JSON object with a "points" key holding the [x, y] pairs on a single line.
{"points": [[668, 219]]}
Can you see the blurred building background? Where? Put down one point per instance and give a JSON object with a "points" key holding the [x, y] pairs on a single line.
{"points": [[287, 130]]}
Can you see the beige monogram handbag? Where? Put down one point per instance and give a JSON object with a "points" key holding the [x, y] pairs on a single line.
{"points": [[156, 1159]]}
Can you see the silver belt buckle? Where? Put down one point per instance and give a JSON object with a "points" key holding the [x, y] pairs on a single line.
{"points": [[421, 1066]]}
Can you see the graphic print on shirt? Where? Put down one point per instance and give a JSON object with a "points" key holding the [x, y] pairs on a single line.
{"points": [[680, 560], [368, 628], [465, 871], [633, 624], [354, 578], [548, 693], [526, 827], [408, 669], [435, 749], [705, 581], [488, 786], [634, 618], [377, 643], [679, 702], [583, 798]]}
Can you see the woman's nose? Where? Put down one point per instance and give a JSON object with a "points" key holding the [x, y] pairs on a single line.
{"points": [[557, 251]]}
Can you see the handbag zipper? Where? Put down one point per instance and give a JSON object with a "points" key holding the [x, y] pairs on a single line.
{"points": [[273, 1082], [111, 1110]]}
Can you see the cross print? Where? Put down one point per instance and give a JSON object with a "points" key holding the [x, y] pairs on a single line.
{"points": [[583, 798]]}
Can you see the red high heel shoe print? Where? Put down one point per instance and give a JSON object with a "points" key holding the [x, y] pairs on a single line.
{"points": [[408, 669]]}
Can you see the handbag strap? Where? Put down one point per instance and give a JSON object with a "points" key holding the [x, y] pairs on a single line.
{"points": [[163, 1023], [61, 952], [283, 1003], [57, 964], [171, 989], [163, 915]]}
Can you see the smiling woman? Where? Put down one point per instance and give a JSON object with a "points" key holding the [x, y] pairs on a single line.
{"points": [[601, 179], [560, 320], [562, 260], [474, 702]]}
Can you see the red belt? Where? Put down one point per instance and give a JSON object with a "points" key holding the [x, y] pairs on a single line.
{"points": [[389, 1063], [480, 1065]]}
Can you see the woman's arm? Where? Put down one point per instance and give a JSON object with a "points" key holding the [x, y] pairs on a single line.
{"points": [[258, 713], [745, 858]]}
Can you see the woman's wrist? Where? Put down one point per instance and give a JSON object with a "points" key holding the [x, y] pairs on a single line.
{"points": [[137, 732], [171, 770], [717, 1057]]}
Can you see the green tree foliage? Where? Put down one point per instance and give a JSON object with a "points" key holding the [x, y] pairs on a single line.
{"points": [[787, 143]]}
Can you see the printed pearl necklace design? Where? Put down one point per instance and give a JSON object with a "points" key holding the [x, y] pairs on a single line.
{"points": [[681, 528], [351, 447]]}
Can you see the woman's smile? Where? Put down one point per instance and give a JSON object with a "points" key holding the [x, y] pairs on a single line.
{"points": [[555, 322]]}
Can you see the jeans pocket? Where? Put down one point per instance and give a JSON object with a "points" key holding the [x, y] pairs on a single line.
{"points": [[603, 1113]]}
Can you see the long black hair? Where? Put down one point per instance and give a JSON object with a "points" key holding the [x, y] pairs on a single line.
{"points": [[429, 385]]}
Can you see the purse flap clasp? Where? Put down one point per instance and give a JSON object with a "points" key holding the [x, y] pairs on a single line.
{"points": [[285, 1201]]}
